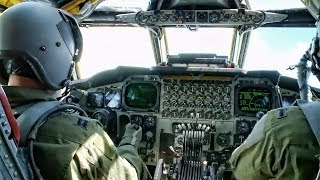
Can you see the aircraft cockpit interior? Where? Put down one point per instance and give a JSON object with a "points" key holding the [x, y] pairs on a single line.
{"points": [[197, 96]]}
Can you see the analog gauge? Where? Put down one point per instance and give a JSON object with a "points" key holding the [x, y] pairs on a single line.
{"points": [[172, 17], [174, 104], [191, 105], [183, 104], [143, 18], [207, 93], [193, 88], [227, 107], [219, 89], [154, 18], [179, 16], [191, 97], [225, 17], [226, 116], [209, 106], [257, 18], [200, 98], [167, 96], [235, 17], [223, 139], [207, 100], [217, 115], [218, 98], [190, 16], [149, 122], [136, 119], [167, 88], [243, 127], [183, 114], [183, 97], [166, 104], [163, 17], [166, 113], [202, 17], [174, 96], [227, 98], [214, 17], [174, 113], [184, 88], [210, 89], [202, 89], [245, 18], [95, 99], [218, 107], [208, 115], [176, 88], [227, 90]]}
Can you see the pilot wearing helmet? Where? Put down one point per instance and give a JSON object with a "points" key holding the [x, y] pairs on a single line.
{"points": [[283, 144], [42, 44]]}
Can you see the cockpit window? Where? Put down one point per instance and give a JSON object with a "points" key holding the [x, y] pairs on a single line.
{"points": [[275, 4], [278, 48], [203, 40], [109, 47]]}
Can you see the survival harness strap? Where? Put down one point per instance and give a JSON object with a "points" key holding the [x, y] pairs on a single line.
{"points": [[30, 121], [312, 112]]}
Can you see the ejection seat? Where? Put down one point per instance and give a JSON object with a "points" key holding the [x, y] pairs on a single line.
{"points": [[9, 140]]}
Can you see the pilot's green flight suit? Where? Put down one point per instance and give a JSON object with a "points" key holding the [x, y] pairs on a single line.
{"points": [[281, 146], [70, 147]]}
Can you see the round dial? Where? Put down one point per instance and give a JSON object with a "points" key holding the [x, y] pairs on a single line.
{"points": [[101, 117], [143, 18], [245, 18], [225, 17], [167, 96], [235, 17], [174, 96], [223, 139], [136, 119], [227, 90], [167, 88], [176, 88], [214, 17], [183, 97], [184, 88], [149, 122], [257, 18], [166, 104], [174, 113], [243, 127], [163, 17], [154, 18], [190, 17]]}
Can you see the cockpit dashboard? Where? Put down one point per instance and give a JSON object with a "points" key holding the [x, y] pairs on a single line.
{"points": [[187, 117]]}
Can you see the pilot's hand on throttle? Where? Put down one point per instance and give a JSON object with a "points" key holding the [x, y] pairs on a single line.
{"points": [[132, 136]]}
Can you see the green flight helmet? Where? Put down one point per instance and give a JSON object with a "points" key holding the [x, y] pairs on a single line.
{"points": [[47, 38]]}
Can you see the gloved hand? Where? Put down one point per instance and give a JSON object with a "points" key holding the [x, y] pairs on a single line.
{"points": [[131, 136]]}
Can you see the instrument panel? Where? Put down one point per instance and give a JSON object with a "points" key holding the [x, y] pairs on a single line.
{"points": [[186, 121]]}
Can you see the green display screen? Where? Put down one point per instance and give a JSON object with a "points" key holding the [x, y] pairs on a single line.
{"points": [[141, 95], [254, 99]]}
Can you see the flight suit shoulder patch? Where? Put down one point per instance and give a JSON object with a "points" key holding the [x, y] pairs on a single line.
{"points": [[282, 113], [82, 123]]}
